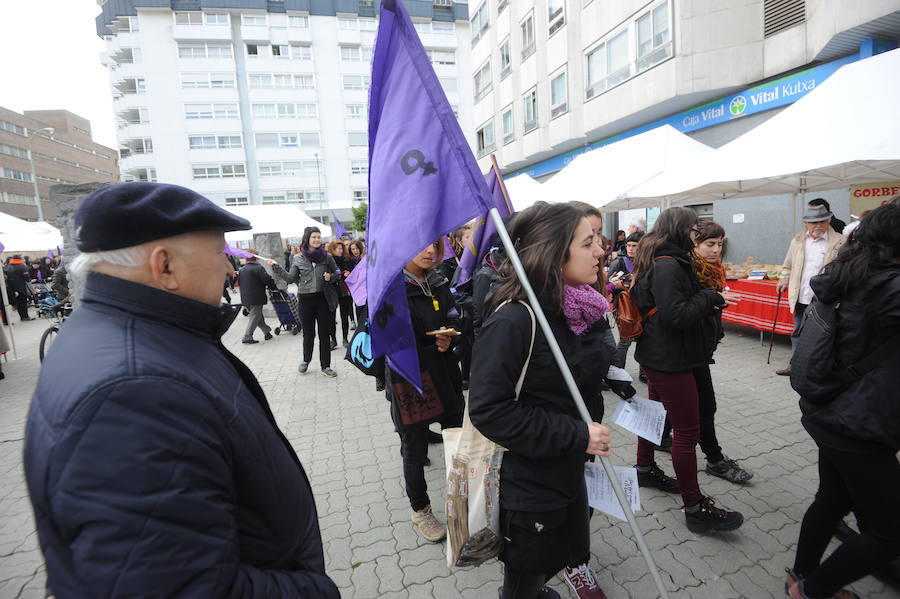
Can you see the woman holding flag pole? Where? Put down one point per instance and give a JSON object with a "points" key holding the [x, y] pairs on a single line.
{"points": [[544, 513]]}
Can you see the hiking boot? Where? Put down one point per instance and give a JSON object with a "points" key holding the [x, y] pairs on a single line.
{"points": [[658, 479], [379, 384], [304, 366], [583, 581], [267, 336], [329, 373], [249, 341], [729, 470], [797, 592], [429, 527], [709, 518]]}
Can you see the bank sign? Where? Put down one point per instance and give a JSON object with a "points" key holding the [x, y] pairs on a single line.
{"points": [[767, 96]]}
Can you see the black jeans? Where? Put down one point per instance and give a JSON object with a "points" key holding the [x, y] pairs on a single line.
{"points": [[868, 484], [314, 314], [799, 309], [21, 304], [346, 305], [414, 450], [523, 585]]}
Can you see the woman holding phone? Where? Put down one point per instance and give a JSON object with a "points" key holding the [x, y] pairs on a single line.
{"points": [[431, 309]]}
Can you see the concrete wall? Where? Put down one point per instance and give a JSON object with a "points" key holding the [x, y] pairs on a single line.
{"points": [[769, 223]]}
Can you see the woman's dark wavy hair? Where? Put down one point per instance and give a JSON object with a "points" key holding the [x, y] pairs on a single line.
{"points": [[359, 245], [542, 235], [875, 241], [673, 226], [709, 230], [307, 233]]}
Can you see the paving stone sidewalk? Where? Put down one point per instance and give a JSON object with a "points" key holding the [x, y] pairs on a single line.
{"points": [[342, 431]]}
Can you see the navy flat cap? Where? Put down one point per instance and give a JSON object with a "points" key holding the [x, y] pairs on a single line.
{"points": [[128, 214]]}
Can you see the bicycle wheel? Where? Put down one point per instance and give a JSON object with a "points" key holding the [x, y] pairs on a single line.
{"points": [[47, 340]]}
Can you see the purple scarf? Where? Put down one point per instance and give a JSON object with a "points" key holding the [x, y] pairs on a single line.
{"points": [[315, 255], [583, 306]]}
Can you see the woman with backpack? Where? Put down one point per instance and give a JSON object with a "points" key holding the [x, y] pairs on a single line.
{"points": [[544, 513], [317, 276], [680, 319], [848, 382]]}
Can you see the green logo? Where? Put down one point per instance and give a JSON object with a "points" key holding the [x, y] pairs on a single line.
{"points": [[737, 106]]}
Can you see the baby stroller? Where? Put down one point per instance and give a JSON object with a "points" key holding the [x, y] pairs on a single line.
{"points": [[43, 299], [288, 310]]}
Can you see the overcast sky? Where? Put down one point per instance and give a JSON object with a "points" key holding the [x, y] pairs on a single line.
{"points": [[50, 57]]}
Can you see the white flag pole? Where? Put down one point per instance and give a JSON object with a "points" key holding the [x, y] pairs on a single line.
{"points": [[576, 394]]}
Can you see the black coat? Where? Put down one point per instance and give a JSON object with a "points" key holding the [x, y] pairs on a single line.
{"points": [[543, 432], [485, 282], [18, 277], [442, 367], [154, 465], [682, 335], [866, 416], [253, 280]]}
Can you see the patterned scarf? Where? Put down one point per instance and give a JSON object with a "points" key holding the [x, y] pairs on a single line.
{"points": [[710, 274], [583, 306]]}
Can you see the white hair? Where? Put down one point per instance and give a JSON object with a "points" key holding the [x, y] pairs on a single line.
{"points": [[85, 262]]}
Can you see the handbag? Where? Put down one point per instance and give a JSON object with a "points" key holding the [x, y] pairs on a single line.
{"points": [[360, 352], [473, 486]]}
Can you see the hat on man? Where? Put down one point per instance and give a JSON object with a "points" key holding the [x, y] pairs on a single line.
{"points": [[814, 214], [129, 214]]}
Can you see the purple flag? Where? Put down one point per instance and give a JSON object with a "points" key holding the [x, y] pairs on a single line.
{"points": [[2, 247], [49, 254], [58, 251], [484, 230], [423, 179], [339, 229], [236, 252], [356, 283]]}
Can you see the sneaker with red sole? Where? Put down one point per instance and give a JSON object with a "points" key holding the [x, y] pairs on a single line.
{"points": [[583, 580]]}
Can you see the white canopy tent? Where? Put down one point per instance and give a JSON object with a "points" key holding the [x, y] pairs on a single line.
{"points": [[523, 191], [285, 219], [842, 133], [600, 176], [21, 236]]}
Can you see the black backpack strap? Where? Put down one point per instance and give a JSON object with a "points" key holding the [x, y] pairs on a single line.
{"points": [[883, 351]]}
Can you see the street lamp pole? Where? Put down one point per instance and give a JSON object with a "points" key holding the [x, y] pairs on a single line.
{"points": [[37, 194], [321, 193]]}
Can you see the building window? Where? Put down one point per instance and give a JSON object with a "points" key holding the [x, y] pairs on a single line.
{"points": [[300, 168], [355, 111], [556, 15], [608, 64], [215, 18], [359, 167], [501, 4], [347, 23], [233, 171], [207, 172], [12, 128], [253, 20], [356, 82], [506, 120], [304, 82], [189, 18], [527, 28], [529, 101], [448, 83], [356, 54], [260, 80], [360, 195], [505, 61], [485, 139], [480, 21], [441, 56], [236, 201], [14, 151], [358, 138], [301, 21], [212, 142], [133, 24], [191, 51], [281, 51], [17, 175], [654, 37], [221, 80], [443, 28], [210, 111], [559, 95], [218, 50], [256, 50], [483, 83], [367, 24], [301, 52]]}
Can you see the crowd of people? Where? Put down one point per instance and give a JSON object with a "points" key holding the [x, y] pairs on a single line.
{"points": [[222, 505]]}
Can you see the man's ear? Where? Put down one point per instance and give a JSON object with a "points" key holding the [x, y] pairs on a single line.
{"points": [[159, 262]]}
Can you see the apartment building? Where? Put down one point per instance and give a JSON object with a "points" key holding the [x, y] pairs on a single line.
{"points": [[50, 147], [261, 101]]}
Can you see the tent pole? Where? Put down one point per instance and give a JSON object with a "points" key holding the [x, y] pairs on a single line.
{"points": [[576, 395], [6, 310]]}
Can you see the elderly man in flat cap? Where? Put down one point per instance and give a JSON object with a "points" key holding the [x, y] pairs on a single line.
{"points": [[154, 464], [809, 251]]}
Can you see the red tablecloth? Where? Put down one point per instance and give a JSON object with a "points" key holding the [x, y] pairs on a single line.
{"points": [[757, 307]]}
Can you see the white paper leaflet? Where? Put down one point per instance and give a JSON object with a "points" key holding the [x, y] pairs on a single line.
{"points": [[601, 495], [643, 417]]}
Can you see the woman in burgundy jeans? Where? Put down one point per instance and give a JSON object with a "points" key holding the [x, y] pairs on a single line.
{"points": [[679, 333]]}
